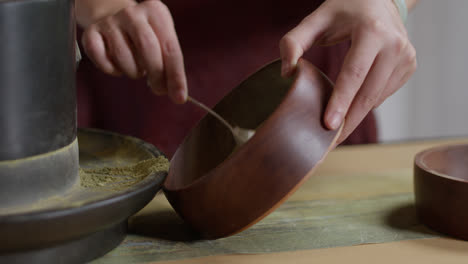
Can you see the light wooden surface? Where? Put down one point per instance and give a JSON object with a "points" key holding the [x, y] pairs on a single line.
{"points": [[435, 250], [356, 208]]}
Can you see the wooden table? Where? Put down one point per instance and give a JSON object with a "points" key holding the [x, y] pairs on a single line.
{"points": [[357, 208]]}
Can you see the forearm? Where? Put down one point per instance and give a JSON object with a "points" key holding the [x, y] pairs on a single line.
{"points": [[90, 11]]}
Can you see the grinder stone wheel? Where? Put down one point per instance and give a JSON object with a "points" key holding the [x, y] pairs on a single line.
{"points": [[90, 223]]}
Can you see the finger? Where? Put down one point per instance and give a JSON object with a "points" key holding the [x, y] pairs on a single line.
{"points": [[301, 38], [400, 76], [141, 72], [358, 61], [137, 56], [149, 52], [120, 50], [95, 48], [371, 89], [336, 34], [171, 53], [395, 82]]}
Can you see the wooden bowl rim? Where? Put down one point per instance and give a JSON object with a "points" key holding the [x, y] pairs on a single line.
{"points": [[292, 88], [419, 161]]}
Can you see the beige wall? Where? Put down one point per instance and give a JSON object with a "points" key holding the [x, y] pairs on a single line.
{"points": [[435, 101]]}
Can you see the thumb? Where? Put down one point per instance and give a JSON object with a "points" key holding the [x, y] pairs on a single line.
{"points": [[301, 38]]}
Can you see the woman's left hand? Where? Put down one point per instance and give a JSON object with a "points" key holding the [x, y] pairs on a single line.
{"points": [[380, 60]]}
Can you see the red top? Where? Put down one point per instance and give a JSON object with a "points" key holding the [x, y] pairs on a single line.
{"points": [[223, 42]]}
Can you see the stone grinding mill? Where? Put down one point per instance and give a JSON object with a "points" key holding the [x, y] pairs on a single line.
{"points": [[46, 215]]}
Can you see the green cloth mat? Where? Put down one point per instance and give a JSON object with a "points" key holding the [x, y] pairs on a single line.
{"points": [[362, 216]]}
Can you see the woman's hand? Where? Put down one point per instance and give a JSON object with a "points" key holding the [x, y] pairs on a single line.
{"points": [[139, 40], [380, 60]]}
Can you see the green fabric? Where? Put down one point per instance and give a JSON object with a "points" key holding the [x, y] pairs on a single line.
{"points": [[359, 217]]}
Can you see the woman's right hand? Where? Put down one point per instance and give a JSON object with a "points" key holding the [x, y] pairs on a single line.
{"points": [[139, 40]]}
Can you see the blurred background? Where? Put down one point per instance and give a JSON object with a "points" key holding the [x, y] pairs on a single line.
{"points": [[434, 103]]}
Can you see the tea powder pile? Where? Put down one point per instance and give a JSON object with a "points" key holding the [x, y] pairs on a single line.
{"points": [[119, 178]]}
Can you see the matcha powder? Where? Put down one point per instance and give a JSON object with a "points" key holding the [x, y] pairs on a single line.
{"points": [[120, 178]]}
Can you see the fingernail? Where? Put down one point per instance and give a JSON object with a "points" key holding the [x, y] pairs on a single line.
{"points": [[181, 97], [334, 120]]}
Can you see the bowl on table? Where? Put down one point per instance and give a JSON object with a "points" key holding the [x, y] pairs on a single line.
{"points": [[220, 189], [441, 189]]}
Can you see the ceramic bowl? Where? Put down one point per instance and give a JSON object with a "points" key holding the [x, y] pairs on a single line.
{"points": [[441, 189], [219, 190]]}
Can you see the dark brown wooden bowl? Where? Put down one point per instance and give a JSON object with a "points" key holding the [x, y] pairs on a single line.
{"points": [[441, 189], [218, 192]]}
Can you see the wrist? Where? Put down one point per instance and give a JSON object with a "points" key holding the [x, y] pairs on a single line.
{"points": [[89, 12]]}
